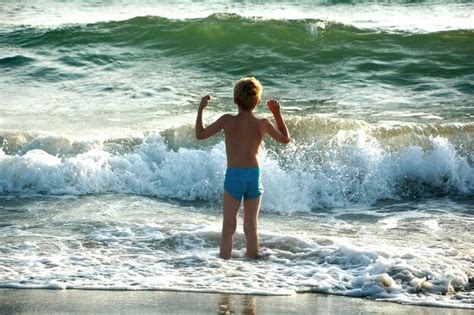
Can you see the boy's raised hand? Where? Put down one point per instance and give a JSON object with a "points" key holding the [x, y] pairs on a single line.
{"points": [[204, 101], [273, 106]]}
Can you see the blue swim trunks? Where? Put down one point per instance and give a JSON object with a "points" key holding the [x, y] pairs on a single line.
{"points": [[243, 182]]}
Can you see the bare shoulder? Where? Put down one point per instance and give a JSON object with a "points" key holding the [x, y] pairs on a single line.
{"points": [[225, 118], [265, 122]]}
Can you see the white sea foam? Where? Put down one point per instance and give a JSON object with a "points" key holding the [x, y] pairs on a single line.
{"points": [[351, 168], [144, 257], [117, 242]]}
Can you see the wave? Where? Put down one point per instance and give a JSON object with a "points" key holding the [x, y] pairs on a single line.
{"points": [[15, 61], [305, 130], [414, 16], [332, 169], [224, 31], [303, 50]]}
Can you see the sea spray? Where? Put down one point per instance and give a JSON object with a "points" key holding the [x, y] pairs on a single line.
{"points": [[339, 168]]}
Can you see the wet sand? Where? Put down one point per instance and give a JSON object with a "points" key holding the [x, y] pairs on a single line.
{"points": [[170, 302]]}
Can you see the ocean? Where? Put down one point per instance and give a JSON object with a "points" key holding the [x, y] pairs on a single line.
{"points": [[104, 186]]}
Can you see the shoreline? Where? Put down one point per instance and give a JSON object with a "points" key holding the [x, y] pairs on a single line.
{"points": [[42, 301]]}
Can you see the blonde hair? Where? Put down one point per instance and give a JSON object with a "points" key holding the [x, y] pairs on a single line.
{"points": [[247, 93]]}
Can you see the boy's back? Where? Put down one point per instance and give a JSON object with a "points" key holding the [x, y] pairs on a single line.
{"points": [[243, 135]]}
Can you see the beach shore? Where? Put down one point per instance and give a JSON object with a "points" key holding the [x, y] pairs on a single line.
{"points": [[169, 302]]}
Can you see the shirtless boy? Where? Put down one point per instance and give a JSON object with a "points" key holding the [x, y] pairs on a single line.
{"points": [[243, 135]]}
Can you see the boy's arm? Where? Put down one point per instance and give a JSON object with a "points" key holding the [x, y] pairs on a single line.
{"points": [[212, 129], [280, 133]]}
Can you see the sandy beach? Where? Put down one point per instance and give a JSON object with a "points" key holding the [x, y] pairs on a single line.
{"points": [[168, 302]]}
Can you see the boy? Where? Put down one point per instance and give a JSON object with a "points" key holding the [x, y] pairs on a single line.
{"points": [[243, 135]]}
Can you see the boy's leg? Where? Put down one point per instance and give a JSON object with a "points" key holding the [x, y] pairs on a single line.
{"points": [[231, 207], [251, 209]]}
